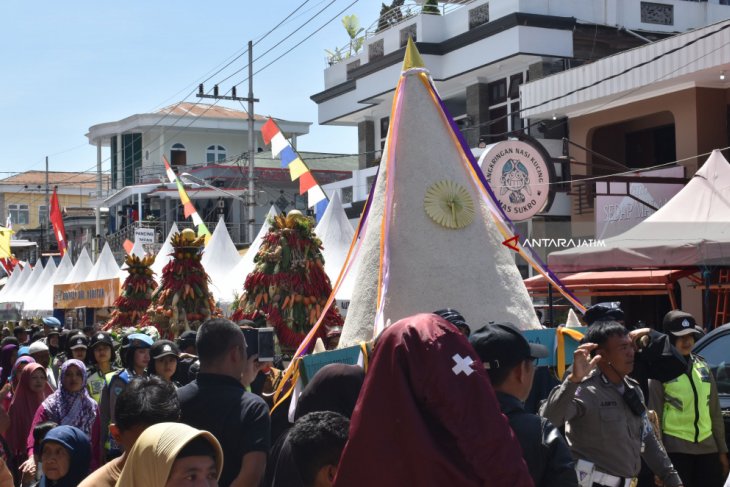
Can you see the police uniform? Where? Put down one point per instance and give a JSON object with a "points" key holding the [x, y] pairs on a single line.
{"points": [[604, 430], [95, 378]]}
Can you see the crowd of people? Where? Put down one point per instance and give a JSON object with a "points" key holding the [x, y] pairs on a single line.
{"points": [[436, 403]]}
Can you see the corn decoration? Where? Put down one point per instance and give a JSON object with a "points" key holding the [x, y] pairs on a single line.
{"points": [[288, 287], [130, 306], [183, 301]]}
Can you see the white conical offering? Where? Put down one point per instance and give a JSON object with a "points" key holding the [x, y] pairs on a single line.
{"points": [[572, 321], [165, 254], [81, 269], [441, 247]]}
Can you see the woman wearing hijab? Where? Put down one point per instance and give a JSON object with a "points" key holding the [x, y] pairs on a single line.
{"points": [[427, 415], [71, 405], [32, 390], [65, 457], [168, 453], [12, 385]]}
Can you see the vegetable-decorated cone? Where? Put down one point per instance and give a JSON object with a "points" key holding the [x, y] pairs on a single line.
{"points": [[288, 286], [136, 295], [183, 300]]}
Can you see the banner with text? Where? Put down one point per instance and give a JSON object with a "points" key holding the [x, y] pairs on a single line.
{"points": [[91, 294]]}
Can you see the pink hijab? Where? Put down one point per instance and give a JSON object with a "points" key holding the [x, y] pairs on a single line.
{"points": [[22, 410]]}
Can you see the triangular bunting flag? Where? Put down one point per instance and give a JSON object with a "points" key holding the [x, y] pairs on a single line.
{"points": [[315, 195], [269, 130], [287, 155], [278, 143], [297, 168], [306, 181]]}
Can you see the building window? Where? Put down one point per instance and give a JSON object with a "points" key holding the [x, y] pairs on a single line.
{"points": [[503, 96], [178, 155], [19, 214], [410, 31], [657, 13], [384, 124], [216, 153], [42, 214], [376, 50], [497, 91], [478, 16]]}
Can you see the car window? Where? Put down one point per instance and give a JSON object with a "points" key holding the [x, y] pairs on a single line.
{"points": [[717, 356]]}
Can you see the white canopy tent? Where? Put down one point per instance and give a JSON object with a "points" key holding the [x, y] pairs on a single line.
{"points": [[14, 276], [246, 264], [164, 255], [24, 292], [81, 269], [336, 232], [219, 256], [691, 229], [34, 296], [105, 267], [12, 293]]}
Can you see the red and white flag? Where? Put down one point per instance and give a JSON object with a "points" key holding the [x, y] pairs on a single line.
{"points": [[57, 221]]}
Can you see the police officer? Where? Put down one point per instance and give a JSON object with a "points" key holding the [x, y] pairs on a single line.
{"points": [[510, 363], [604, 413], [689, 411], [101, 359]]}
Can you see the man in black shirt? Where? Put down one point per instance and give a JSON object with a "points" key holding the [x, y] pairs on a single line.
{"points": [[510, 363], [217, 402]]}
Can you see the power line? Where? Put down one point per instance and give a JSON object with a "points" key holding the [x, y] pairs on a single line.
{"points": [[278, 43], [280, 23], [302, 41]]}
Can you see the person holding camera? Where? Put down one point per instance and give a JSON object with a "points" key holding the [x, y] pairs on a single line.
{"points": [[689, 411], [604, 412]]}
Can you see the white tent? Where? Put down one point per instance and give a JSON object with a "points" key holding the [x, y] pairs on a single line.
{"points": [[64, 269], [81, 269], [14, 276], [138, 249], [35, 296], [691, 229], [164, 255], [105, 268], [246, 264], [336, 232], [23, 276], [24, 292], [219, 257]]}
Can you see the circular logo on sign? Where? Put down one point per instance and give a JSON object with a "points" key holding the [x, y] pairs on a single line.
{"points": [[519, 177]]}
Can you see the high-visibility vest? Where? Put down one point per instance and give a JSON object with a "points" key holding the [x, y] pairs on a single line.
{"points": [[687, 404]]}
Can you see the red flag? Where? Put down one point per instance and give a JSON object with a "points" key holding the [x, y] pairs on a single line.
{"points": [[57, 221], [269, 130]]}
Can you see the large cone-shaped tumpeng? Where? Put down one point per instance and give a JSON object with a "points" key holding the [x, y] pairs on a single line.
{"points": [[441, 247]]}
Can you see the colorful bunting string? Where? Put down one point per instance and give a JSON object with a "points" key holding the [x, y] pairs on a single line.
{"points": [[297, 168], [188, 207]]}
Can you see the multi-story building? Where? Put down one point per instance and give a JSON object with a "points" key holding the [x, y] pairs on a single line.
{"points": [[479, 54], [23, 203], [210, 143]]}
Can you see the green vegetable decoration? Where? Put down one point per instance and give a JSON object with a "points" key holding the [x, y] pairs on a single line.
{"points": [[183, 301], [136, 295], [288, 286]]}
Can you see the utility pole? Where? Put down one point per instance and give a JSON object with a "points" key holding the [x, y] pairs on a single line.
{"points": [[251, 200]]}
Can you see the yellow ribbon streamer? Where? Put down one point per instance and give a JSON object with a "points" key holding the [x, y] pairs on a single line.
{"points": [[561, 331]]}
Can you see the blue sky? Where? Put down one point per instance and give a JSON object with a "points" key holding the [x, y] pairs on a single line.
{"points": [[66, 66]]}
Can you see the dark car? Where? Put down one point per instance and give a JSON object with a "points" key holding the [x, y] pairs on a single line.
{"points": [[715, 349]]}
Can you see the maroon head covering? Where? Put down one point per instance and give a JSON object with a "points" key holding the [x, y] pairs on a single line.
{"points": [[427, 415], [22, 409]]}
